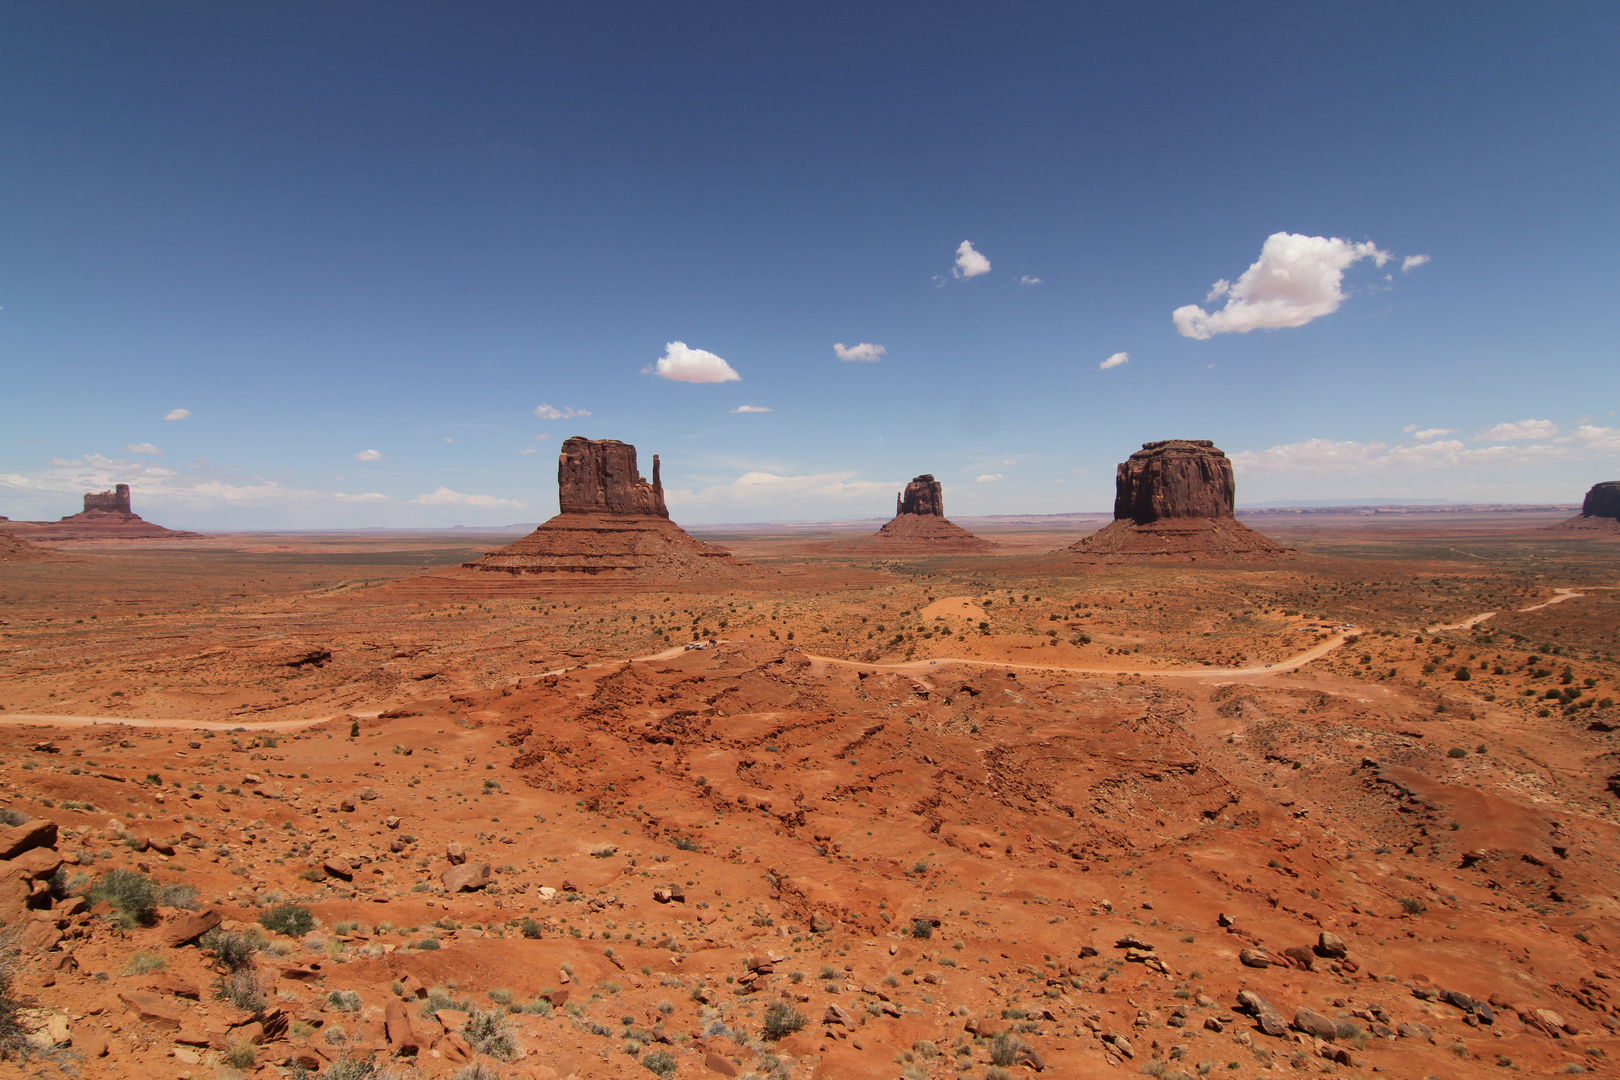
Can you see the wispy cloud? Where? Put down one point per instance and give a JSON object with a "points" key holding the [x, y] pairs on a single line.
{"points": [[1518, 430], [370, 455], [447, 440], [445, 497], [1027, 280], [682, 363], [758, 489], [1114, 361], [865, 352], [1349, 458], [1411, 262], [1295, 280], [969, 263], [141, 448], [988, 478], [70, 477], [1432, 433], [177, 414], [751, 408], [548, 412]]}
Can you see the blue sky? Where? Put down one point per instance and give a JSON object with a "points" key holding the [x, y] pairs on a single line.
{"points": [[361, 245]]}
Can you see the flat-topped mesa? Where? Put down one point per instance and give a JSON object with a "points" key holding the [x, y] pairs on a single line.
{"points": [[1174, 502], [1600, 511], [599, 476], [923, 496], [1602, 501], [613, 524], [115, 501], [1174, 478]]}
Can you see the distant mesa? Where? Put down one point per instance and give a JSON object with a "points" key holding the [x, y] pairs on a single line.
{"points": [[612, 523], [106, 516], [920, 527], [1173, 502], [1600, 510]]}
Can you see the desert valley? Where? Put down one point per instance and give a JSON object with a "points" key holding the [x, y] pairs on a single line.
{"points": [[1326, 791]]}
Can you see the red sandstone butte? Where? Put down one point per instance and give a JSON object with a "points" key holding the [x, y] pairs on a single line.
{"points": [[1174, 502], [920, 527], [106, 516], [1600, 510], [613, 523]]}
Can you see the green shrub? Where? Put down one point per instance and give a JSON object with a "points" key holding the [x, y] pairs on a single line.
{"points": [[234, 950], [475, 1071], [1412, 906], [177, 896], [1456, 752], [144, 963], [660, 1063], [13, 1039], [782, 1020], [293, 920], [241, 1056], [490, 1033], [242, 989], [133, 894], [532, 928], [1006, 1048], [344, 1000], [922, 928]]}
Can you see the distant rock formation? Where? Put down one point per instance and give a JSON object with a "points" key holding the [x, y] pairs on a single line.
{"points": [[1174, 502], [612, 523], [107, 515], [1600, 510], [919, 526]]}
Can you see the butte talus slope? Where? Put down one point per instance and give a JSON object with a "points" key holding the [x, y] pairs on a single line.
{"points": [[920, 527], [1174, 503], [611, 522]]}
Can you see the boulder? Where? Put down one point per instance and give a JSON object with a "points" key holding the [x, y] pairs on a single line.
{"points": [[1266, 1016], [1331, 946], [1314, 1024], [466, 877], [16, 839], [338, 868], [403, 1037], [1255, 958], [187, 927], [152, 1008], [455, 853], [1300, 957]]}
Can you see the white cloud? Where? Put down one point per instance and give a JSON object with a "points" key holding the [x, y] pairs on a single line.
{"points": [[969, 263], [1114, 361], [141, 448], [370, 455], [543, 436], [865, 352], [1027, 280], [758, 489], [683, 364], [177, 414], [1296, 279], [1409, 428], [155, 484], [447, 440], [445, 497], [526, 451], [1327, 457], [751, 408], [1521, 429], [1412, 261], [1432, 433], [1009, 461], [988, 478], [547, 412]]}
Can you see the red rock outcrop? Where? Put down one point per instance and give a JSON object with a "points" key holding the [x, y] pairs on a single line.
{"points": [[920, 527], [106, 516], [1173, 502], [1600, 510], [612, 522]]}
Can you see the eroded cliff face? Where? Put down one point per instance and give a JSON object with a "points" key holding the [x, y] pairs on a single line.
{"points": [[1174, 478], [599, 476], [1603, 500], [923, 495]]}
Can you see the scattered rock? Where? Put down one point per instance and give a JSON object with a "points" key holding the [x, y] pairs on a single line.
{"points": [[152, 1008], [1331, 946], [1266, 1016], [16, 839], [1314, 1024], [1256, 958], [465, 877], [455, 853], [338, 868]]}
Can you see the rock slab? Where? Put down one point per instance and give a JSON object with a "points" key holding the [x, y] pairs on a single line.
{"points": [[1174, 478]]}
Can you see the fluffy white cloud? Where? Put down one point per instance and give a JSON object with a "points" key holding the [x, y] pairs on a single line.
{"points": [[177, 414], [547, 412], [683, 364], [1431, 433], [445, 497], [969, 263], [759, 490], [1114, 361], [69, 478], [141, 448], [370, 455], [1296, 279], [751, 408], [988, 478], [1027, 280], [865, 352], [1412, 261], [1519, 430]]}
